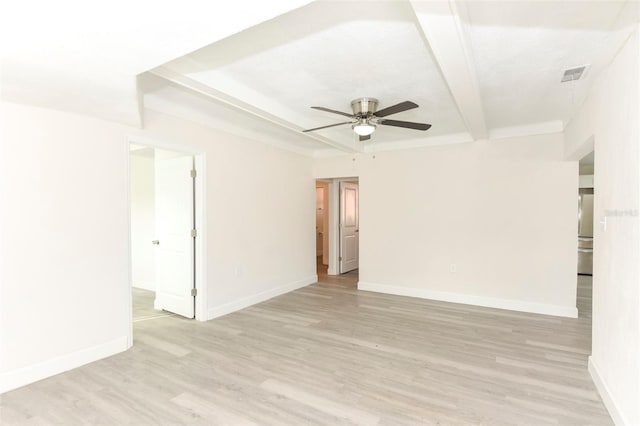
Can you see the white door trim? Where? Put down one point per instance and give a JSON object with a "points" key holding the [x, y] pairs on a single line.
{"points": [[334, 220], [334, 223], [201, 215]]}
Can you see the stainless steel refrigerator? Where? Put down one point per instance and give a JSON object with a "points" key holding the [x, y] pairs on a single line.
{"points": [[585, 234]]}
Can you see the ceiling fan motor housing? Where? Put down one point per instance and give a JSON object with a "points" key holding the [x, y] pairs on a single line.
{"points": [[364, 107]]}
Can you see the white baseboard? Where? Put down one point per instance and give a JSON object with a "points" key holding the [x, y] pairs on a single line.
{"points": [[605, 394], [245, 302], [489, 302], [25, 375]]}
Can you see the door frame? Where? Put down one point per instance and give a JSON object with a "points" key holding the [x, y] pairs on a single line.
{"points": [[584, 148], [200, 215], [334, 219]]}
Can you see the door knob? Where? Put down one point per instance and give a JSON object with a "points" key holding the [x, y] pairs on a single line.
{"points": [[156, 242]]}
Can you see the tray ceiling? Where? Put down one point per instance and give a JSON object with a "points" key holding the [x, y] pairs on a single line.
{"points": [[477, 69]]}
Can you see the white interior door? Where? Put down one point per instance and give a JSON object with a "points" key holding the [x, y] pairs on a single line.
{"points": [[174, 194], [349, 227]]}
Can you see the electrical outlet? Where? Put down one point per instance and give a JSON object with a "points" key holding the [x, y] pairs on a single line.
{"points": [[453, 268]]}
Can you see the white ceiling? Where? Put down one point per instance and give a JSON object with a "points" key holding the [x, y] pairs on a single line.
{"points": [[82, 56], [295, 61], [521, 49], [478, 69]]}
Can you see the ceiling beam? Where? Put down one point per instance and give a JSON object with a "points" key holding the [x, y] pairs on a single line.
{"points": [[191, 84], [140, 100], [442, 25]]}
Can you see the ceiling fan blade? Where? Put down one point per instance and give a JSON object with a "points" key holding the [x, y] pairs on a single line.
{"points": [[364, 138], [324, 127], [394, 109], [333, 111], [406, 124]]}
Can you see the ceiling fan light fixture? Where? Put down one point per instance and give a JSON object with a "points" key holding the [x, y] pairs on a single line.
{"points": [[364, 129]]}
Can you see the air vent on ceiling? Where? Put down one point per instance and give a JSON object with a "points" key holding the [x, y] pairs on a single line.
{"points": [[573, 74]]}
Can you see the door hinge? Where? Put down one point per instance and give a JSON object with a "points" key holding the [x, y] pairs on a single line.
{"points": [[194, 292], [194, 233], [340, 258], [193, 173]]}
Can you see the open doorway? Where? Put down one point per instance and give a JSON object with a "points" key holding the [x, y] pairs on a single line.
{"points": [[586, 198], [337, 228], [322, 227], [142, 204], [166, 214]]}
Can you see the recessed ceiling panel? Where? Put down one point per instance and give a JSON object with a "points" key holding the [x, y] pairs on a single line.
{"points": [[331, 52], [521, 50], [327, 54]]}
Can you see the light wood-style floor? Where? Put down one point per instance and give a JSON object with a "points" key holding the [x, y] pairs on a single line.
{"points": [[143, 306], [331, 355]]}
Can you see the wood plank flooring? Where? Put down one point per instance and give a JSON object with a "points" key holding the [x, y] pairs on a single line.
{"points": [[328, 354], [143, 306]]}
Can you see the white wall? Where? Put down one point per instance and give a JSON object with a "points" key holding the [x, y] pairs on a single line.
{"points": [[143, 221], [260, 214], [610, 118], [64, 242], [503, 212], [64, 232]]}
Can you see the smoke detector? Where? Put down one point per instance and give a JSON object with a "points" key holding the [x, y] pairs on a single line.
{"points": [[573, 74]]}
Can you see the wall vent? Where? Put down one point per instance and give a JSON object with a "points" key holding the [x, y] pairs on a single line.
{"points": [[573, 74]]}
